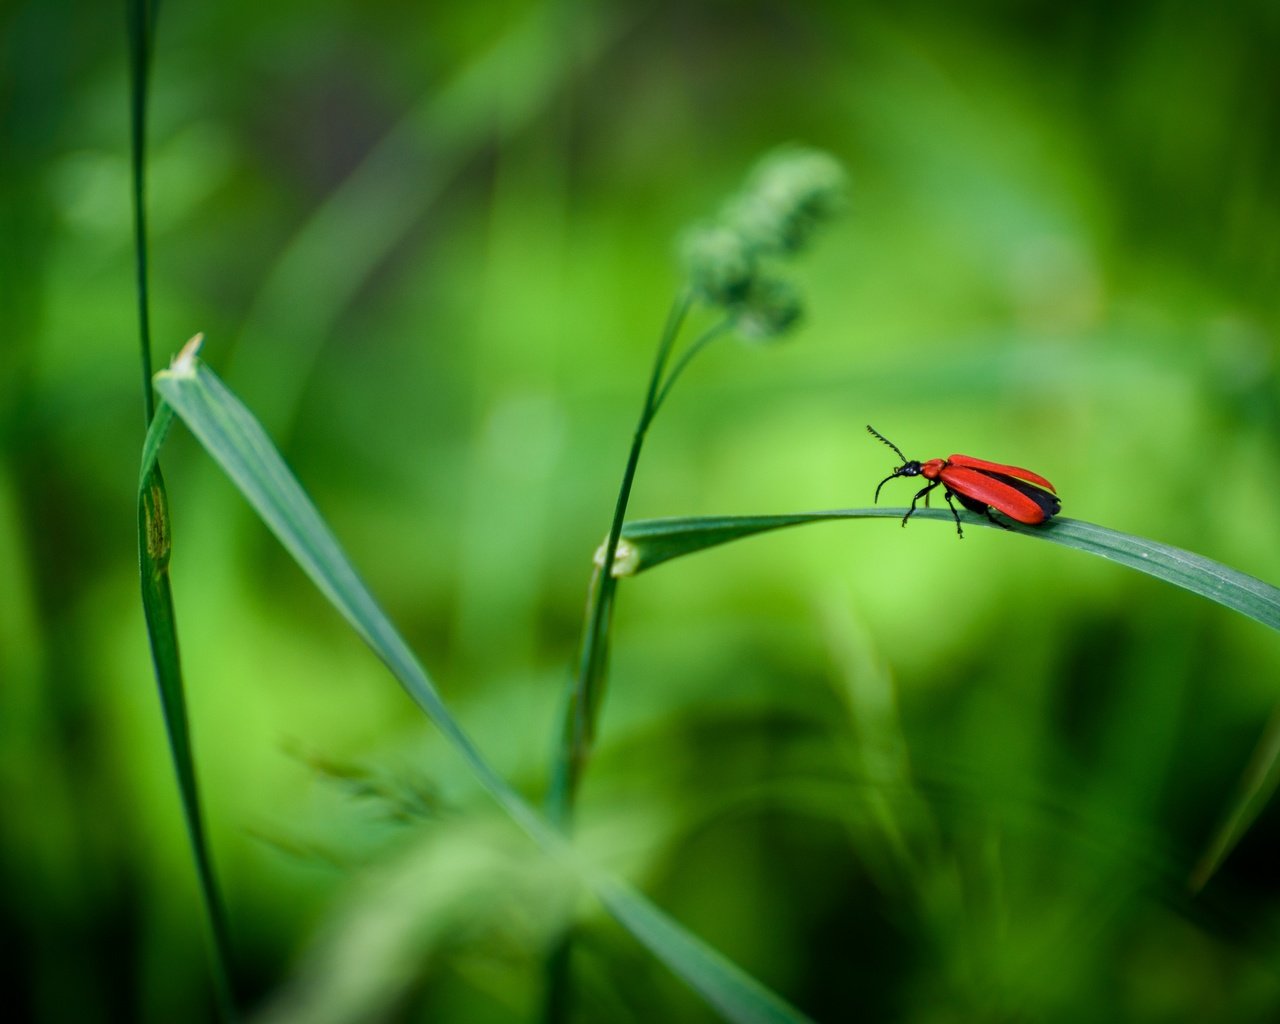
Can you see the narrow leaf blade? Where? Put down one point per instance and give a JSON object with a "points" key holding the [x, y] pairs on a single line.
{"points": [[734, 993], [157, 607], [1257, 785], [236, 441], [651, 542]]}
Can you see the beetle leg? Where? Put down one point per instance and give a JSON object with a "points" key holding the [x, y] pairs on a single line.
{"points": [[959, 531], [982, 508], [1002, 525], [922, 493]]}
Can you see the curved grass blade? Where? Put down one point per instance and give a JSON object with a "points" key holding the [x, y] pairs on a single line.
{"points": [[647, 543], [735, 994], [157, 606], [153, 522], [1257, 785], [651, 542], [231, 435]]}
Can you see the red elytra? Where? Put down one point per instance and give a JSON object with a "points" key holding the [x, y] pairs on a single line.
{"points": [[981, 486]]}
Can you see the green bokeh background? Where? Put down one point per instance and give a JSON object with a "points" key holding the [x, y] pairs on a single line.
{"points": [[432, 247]]}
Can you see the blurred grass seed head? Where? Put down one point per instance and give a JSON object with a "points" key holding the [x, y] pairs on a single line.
{"points": [[788, 195], [771, 307]]}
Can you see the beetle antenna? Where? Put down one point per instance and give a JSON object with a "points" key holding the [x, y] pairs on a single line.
{"points": [[875, 433], [876, 499]]}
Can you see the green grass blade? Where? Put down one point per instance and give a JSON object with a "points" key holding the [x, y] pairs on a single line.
{"points": [[153, 519], [157, 606], [1257, 785], [141, 18], [585, 694], [236, 441], [238, 444], [736, 995], [647, 543], [654, 541], [581, 704]]}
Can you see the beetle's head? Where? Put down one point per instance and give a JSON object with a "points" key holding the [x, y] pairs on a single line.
{"points": [[912, 468], [909, 467]]}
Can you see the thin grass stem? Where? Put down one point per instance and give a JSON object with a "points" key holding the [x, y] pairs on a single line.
{"points": [[141, 29], [154, 527], [685, 359], [586, 689]]}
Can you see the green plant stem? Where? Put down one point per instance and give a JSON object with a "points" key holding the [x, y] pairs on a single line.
{"points": [[685, 358], [154, 530], [142, 16], [157, 606], [585, 691]]}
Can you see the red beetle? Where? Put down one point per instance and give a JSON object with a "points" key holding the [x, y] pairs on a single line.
{"points": [[980, 485]]}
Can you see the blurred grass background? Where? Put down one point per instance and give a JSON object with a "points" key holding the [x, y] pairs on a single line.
{"points": [[895, 776]]}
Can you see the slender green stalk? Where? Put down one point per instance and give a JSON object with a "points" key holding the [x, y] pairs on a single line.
{"points": [[730, 263], [586, 690], [675, 320], [142, 15], [154, 531], [586, 693], [789, 194], [157, 605], [719, 330]]}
